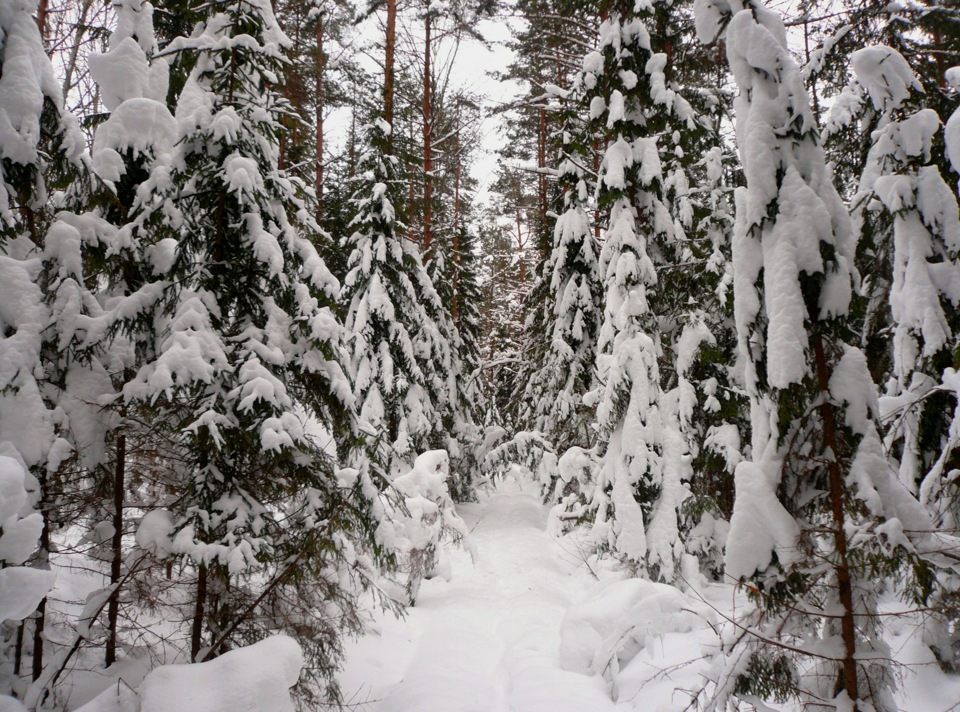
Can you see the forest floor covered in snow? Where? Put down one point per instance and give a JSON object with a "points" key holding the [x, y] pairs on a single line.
{"points": [[536, 625]]}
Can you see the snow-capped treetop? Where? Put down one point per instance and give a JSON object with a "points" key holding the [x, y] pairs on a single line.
{"points": [[402, 359], [885, 75], [27, 81]]}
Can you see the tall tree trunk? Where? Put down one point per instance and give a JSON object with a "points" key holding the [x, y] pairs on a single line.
{"points": [[427, 148], [40, 616], [320, 61], [541, 176], [847, 680], [455, 307], [196, 634], [42, 9], [388, 69], [113, 605]]}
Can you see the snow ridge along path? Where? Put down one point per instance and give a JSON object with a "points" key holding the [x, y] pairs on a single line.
{"points": [[488, 640]]}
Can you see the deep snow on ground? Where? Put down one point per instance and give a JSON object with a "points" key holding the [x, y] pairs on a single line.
{"points": [[489, 639]]}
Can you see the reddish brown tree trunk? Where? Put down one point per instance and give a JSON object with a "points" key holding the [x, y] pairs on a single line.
{"points": [[42, 9], [541, 165], [848, 677], [320, 65], [388, 68], [455, 307], [427, 149]]}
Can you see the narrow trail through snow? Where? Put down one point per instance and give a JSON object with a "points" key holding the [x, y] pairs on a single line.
{"points": [[487, 640]]}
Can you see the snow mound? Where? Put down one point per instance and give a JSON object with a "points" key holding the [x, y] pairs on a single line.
{"points": [[617, 620], [10, 704], [116, 698], [256, 678]]}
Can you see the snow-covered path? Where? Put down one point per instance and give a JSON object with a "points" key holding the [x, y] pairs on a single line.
{"points": [[487, 640]]}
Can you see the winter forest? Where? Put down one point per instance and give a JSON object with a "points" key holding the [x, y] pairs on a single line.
{"points": [[330, 380]]}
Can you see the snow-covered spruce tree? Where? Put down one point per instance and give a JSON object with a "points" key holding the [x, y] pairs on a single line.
{"points": [[465, 299], [562, 328], [819, 518], [41, 150], [688, 102], [664, 162], [247, 370], [99, 352], [914, 245], [639, 485], [400, 355], [918, 274]]}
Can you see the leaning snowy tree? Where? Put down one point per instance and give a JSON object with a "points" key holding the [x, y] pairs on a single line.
{"points": [[819, 519], [247, 368]]}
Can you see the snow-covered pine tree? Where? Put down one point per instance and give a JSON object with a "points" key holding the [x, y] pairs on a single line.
{"points": [[919, 277], [401, 359], [688, 104], [41, 151], [914, 243], [644, 460], [818, 516], [247, 368], [560, 334]]}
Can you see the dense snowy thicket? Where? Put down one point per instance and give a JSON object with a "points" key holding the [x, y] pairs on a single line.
{"points": [[251, 381]]}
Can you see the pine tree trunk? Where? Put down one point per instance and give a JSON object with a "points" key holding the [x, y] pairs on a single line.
{"points": [[427, 148], [388, 69], [44, 562], [196, 634], [455, 307], [42, 9], [113, 605], [541, 177], [320, 64], [848, 677]]}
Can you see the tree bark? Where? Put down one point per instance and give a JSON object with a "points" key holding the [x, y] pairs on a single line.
{"points": [[455, 307], [388, 69], [847, 680], [427, 148], [542, 164], [320, 61], [196, 634], [42, 9], [113, 605]]}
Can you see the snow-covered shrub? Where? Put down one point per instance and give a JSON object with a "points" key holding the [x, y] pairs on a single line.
{"points": [[604, 632], [420, 518], [571, 488], [255, 678], [527, 449], [21, 587]]}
